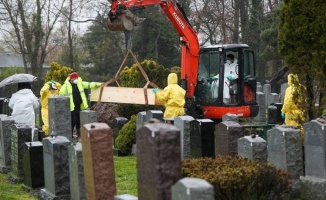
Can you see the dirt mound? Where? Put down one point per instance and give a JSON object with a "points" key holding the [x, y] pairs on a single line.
{"points": [[106, 112]]}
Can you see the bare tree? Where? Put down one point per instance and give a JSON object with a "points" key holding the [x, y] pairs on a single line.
{"points": [[28, 27]]}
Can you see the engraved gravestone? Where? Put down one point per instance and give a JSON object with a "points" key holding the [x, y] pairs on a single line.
{"points": [[33, 165], [87, 116], [20, 133], [202, 138], [98, 161], [260, 99], [5, 131], [56, 168], [76, 172], [183, 124], [157, 114], [60, 116], [141, 118], [253, 147], [313, 184], [192, 189], [158, 160], [227, 134]]}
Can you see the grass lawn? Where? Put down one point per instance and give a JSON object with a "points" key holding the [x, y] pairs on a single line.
{"points": [[126, 180]]}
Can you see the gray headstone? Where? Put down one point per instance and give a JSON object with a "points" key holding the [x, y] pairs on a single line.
{"points": [[76, 172], [312, 188], [20, 133], [87, 116], [60, 116], [254, 149], [259, 88], [226, 138], [282, 93], [230, 117], [118, 123], [315, 149], [183, 124], [5, 131], [260, 98], [56, 168], [202, 138], [125, 197], [157, 114], [158, 160], [141, 118], [274, 98], [98, 161], [192, 189], [267, 91], [2, 116], [284, 148]]}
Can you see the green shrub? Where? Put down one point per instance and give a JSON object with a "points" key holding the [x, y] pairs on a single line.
{"points": [[239, 178], [127, 136]]}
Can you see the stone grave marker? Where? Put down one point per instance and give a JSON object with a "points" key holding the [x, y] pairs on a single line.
{"points": [[230, 117], [261, 116], [253, 147], [5, 131], [2, 116], [158, 160], [192, 189], [98, 161], [183, 124], [313, 183], [33, 165], [60, 116], [157, 114], [227, 134], [20, 133], [56, 168], [87, 116], [202, 138], [76, 172], [284, 148], [141, 118]]}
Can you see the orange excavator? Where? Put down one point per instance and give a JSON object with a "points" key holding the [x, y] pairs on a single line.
{"points": [[209, 94]]}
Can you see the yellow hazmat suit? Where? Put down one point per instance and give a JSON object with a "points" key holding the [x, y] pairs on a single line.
{"points": [[173, 96], [46, 92], [292, 113]]}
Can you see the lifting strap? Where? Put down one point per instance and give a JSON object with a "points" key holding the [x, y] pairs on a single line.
{"points": [[114, 79]]}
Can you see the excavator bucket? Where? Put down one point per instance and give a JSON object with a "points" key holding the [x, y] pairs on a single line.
{"points": [[124, 21]]}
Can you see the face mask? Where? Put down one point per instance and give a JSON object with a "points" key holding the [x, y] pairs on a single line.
{"points": [[75, 81], [228, 62]]}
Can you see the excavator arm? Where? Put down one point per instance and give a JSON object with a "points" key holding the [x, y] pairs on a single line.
{"points": [[122, 19]]}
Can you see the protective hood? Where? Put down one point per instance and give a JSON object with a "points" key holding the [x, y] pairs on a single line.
{"points": [[172, 79], [292, 79]]}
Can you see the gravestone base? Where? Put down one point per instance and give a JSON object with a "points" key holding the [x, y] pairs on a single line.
{"points": [[4, 169], [312, 188], [12, 178], [33, 191], [48, 196]]}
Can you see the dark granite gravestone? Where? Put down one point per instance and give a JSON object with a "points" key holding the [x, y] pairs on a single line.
{"points": [[60, 116], [202, 138], [192, 189], [183, 124], [313, 184], [141, 118], [227, 134], [118, 123], [56, 169], [158, 160], [253, 147], [5, 131], [260, 98], [76, 172], [98, 161], [20, 133], [284, 147], [33, 165], [2, 116]]}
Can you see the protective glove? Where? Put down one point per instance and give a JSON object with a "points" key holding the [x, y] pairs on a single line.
{"points": [[283, 115], [155, 90], [229, 78], [212, 78]]}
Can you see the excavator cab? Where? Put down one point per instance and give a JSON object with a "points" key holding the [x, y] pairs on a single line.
{"points": [[228, 86]]}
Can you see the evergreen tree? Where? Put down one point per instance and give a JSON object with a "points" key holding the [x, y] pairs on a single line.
{"points": [[302, 43]]}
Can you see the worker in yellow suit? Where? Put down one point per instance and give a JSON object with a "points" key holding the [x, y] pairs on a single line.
{"points": [[290, 111], [173, 96], [50, 89]]}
